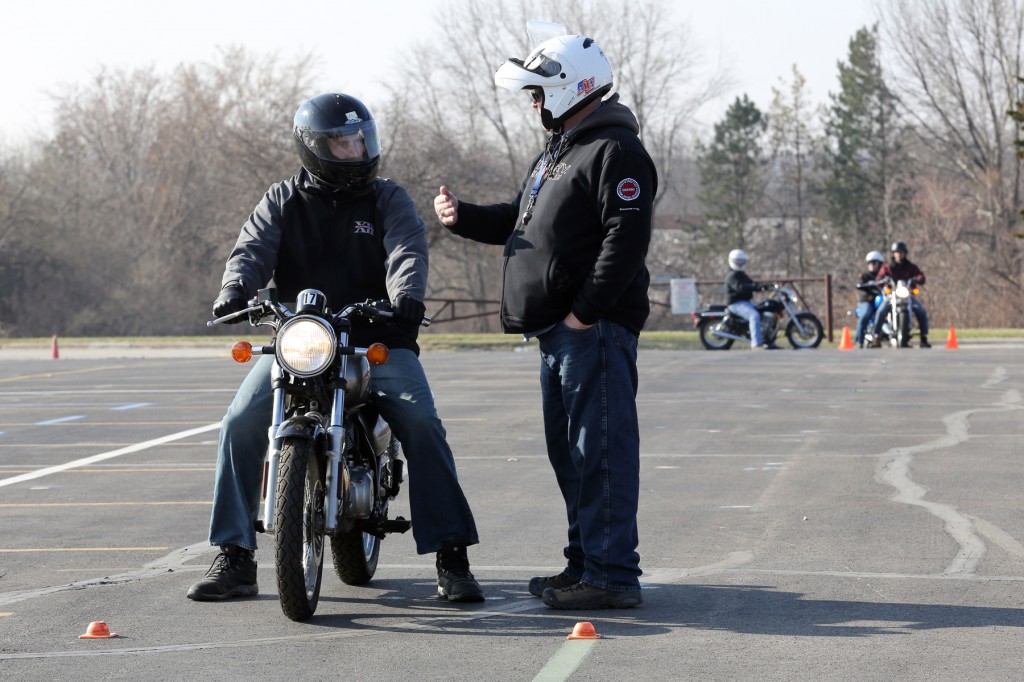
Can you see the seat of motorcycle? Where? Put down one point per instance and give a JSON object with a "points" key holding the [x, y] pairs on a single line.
{"points": [[717, 307]]}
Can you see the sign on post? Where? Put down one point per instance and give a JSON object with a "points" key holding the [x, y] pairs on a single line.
{"points": [[683, 292]]}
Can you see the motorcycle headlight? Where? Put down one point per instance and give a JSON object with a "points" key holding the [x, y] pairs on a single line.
{"points": [[902, 291], [305, 346]]}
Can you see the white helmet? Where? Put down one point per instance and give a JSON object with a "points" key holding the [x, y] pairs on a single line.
{"points": [[737, 259], [571, 71], [874, 256]]}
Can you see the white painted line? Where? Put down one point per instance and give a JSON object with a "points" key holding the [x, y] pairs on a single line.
{"points": [[563, 664], [61, 420], [107, 455], [131, 407]]}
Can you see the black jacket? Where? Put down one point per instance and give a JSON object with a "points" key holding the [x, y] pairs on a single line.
{"points": [[583, 248], [351, 248], [867, 294], [739, 287]]}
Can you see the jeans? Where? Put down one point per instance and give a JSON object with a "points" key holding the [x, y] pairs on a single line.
{"points": [[865, 316], [919, 312], [440, 512], [588, 385], [748, 312]]}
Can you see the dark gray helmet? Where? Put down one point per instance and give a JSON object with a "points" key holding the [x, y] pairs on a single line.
{"points": [[899, 246], [321, 125]]}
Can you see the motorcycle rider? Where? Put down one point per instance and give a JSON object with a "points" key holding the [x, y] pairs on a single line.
{"points": [[901, 268], [739, 290], [866, 293], [338, 227]]}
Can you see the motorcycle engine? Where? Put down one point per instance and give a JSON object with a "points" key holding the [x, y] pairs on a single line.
{"points": [[359, 503]]}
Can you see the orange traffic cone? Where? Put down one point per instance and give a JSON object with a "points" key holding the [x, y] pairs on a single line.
{"points": [[97, 630], [54, 353], [584, 630], [951, 339], [845, 343]]}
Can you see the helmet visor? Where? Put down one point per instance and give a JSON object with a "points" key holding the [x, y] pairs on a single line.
{"points": [[351, 142]]}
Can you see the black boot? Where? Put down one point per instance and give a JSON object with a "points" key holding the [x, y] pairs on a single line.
{"points": [[924, 342], [232, 574], [454, 581]]}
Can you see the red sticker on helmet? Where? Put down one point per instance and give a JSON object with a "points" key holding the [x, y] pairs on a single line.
{"points": [[628, 189]]}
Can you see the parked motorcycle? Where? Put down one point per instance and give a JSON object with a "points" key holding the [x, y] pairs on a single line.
{"points": [[333, 464], [898, 326], [719, 329]]}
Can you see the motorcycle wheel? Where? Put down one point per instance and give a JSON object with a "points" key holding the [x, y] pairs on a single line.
{"points": [[299, 536], [355, 556], [812, 335], [903, 329], [709, 340]]}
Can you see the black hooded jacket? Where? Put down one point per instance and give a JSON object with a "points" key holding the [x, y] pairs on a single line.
{"points": [[583, 248]]}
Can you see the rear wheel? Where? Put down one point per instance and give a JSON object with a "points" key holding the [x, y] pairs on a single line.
{"points": [[298, 523], [708, 339], [808, 334], [355, 556]]}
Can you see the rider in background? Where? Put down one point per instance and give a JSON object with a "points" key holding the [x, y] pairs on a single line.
{"points": [[739, 290], [900, 268], [866, 292]]}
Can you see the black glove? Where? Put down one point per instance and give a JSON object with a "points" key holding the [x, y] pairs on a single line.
{"points": [[231, 300], [408, 310]]}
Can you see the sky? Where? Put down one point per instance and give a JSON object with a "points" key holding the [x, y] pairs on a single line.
{"points": [[49, 45]]}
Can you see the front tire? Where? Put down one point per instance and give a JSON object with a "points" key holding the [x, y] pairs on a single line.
{"points": [[903, 325], [709, 340], [298, 522], [812, 334]]}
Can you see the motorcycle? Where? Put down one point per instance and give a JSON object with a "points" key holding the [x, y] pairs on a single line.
{"points": [[897, 328], [719, 329], [333, 464]]}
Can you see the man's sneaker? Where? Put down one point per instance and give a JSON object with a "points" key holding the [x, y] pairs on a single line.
{"points": [[454, 581], [232, 574], [541, 583], [584, 596]]}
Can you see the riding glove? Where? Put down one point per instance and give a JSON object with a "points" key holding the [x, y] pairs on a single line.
{"points": [[408, 310], [231, 300]]}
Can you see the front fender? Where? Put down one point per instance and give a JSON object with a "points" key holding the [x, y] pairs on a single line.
{"points": [[301, 426]]}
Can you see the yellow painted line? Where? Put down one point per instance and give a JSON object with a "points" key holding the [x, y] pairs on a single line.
{"points": [[92, 423], [60, 374], [27, 550], [7, 505], [85, 445], [6, 613], [115, 471]]}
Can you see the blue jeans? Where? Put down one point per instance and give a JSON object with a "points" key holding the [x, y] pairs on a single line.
{"points": [[748, 312], [440, 512], [588, 385], [865, 316]]}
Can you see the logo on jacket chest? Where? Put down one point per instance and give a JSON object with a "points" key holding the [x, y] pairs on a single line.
{"points": [[555, 172], [363, 227]]}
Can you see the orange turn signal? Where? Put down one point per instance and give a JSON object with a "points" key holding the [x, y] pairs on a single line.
{"points": [[241, 351], [377, 354]]}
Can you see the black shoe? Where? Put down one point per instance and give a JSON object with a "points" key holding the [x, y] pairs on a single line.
{"points": [[924, 342], [540, 583], [232, 574], [454, 581], [584, 596]]}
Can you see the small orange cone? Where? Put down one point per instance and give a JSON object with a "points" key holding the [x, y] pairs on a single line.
{"points": [[845, 343], [951, 339], [55, 354], [97, 630], [584, 630]]}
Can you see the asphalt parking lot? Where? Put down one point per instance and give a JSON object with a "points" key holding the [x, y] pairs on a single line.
{"points": [[804, 515]]}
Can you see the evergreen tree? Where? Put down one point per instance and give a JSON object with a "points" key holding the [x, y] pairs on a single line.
{"points": [[731, 173], [866, 166]]}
